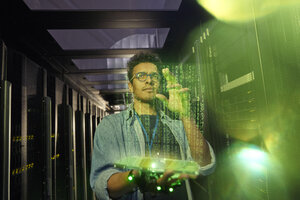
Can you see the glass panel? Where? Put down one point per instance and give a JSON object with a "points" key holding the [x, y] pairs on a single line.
{"points": [[111, 86], [77, 39], [103, 4], [108, 77], [103, 63]]}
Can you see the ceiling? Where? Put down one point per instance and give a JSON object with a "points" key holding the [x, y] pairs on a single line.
{"points": [[90, 42]]}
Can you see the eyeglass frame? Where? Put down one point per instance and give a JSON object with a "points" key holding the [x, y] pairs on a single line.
{"points": [[150, 75]]}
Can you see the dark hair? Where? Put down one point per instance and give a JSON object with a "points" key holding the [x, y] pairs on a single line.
{"points": [[142, 58]]}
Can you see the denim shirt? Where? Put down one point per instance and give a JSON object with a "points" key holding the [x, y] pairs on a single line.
{"points": [[120, 135]]}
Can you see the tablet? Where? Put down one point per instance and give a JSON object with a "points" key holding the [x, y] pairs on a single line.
{"points": [[158, 165]]}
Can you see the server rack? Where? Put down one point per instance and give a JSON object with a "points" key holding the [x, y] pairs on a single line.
{"points": [[65, 163], [233, 99], [46, 141], [248, 70], [38, 134], [30, 154], [73, 103], [39, 149], [47, 150], [26, 167], [80, 150], [5, 126], [5, 123], [14, 63], [51, 93], [89, 147]]}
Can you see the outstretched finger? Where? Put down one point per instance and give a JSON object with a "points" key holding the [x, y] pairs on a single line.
{"points": [[183, 177], [164, 179], [182, 90]]}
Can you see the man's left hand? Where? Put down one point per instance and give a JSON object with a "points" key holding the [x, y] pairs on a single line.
{"points": [[179, 98]]}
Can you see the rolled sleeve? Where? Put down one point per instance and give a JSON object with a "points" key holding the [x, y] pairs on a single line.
{"points": [[105, 153], [100, 185], [208, 169]]}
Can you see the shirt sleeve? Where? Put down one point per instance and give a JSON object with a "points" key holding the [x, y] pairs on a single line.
{"points": [[105, 153], [204, 170], [210, 168]]}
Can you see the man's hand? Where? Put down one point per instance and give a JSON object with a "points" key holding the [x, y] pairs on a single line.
{"points": [[167, 180], [179, 98], [179, 102], [152, 183]]}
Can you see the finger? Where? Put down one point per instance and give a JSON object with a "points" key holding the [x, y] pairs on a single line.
{"points": [[173, 180], [162, 98], [177, 86], [187, 176], [174, 87], [184, 93], [164, 179], [183, 176], [193, 176], [171, 80], [182, 90]]}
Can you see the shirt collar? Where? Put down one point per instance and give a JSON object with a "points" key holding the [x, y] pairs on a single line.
{"points": [[129, 111]]}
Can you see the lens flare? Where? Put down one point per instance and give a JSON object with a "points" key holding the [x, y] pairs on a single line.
{"points": [[242, 10], [253, 158]]}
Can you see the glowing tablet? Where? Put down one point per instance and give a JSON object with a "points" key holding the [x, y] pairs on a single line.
{"points": [[159, 165]]}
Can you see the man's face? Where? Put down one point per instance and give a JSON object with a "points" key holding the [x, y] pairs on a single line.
{"points": [[144, 91]]}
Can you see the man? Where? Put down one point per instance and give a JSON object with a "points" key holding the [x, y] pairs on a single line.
{"points": [[144, 130]]}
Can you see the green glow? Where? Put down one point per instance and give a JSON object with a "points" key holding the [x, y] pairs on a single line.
{"points": [[130, 178], [158, 188], [159, 165], [243, 10], [253, 154], [153, 165], [253, 158], [171, 189], [245, 173]]}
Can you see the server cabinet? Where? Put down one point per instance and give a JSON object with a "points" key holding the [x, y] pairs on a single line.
{"points": [[5, 126], [5, 134], [46, 157], [39, 110], [27, 166], [80, 151], [51, 92], [33, 133], [248, 72], [89, 147], [65, 161], [233, 100], [14, 63], [73, 102]]}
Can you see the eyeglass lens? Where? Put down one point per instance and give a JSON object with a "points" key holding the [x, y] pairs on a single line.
{"points": [[142, 76]]}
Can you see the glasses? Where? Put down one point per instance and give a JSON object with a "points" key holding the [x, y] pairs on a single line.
{"points": [[142, 76]]}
